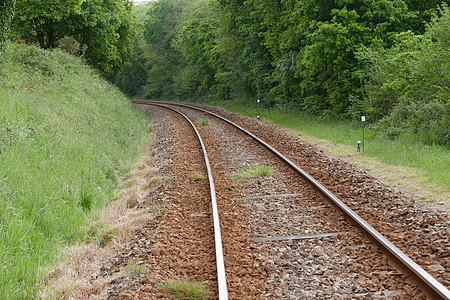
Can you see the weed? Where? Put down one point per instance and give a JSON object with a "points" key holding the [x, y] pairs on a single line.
{"points": [[151, 181], [154, 151], [129, 183], [198, 176], [205, 122], [92, 232], [186, 289], [112, 175], [258, 171], [135, 267]]}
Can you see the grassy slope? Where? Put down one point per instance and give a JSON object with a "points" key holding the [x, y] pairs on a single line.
{"points": [[65, 137], [432, 161]]}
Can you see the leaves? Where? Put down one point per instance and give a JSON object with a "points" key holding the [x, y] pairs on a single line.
{"points": [[7, 8], [103, 28], [407, 86], [298, 52]]}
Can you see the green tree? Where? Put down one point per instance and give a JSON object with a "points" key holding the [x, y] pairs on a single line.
{"points": [[282, 51], [163, 58], [7, 8], [198, 44], [327, 66], [407, 85], [107, 27], [44, 21]]}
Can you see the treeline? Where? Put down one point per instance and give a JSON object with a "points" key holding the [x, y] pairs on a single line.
{"points": [[102, 31], [388, 60]]}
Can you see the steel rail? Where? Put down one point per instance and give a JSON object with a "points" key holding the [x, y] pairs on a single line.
{"points": [[221, 277], [433, 287]]}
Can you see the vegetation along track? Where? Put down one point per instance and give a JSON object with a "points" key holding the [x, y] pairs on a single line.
{"points": [[276, 246]]}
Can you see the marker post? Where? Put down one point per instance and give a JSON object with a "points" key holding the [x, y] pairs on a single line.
{"points": [[259, 110], [363, 119]]}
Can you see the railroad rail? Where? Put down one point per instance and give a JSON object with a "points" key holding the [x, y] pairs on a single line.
{"points": [[429, 284], [221, 277]]}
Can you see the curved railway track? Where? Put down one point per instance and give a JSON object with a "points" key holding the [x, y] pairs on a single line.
{"points": [[427, 283]]}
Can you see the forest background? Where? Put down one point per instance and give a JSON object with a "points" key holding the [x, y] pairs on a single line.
{"points": [[385, 59]]}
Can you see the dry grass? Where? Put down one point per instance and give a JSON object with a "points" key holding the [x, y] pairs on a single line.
{"points": [[70, 279]]}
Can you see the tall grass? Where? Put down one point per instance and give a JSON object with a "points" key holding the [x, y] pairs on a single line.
{"points": [[65, 136], [406, 150]]}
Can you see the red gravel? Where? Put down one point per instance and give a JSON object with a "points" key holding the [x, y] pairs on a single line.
{"points": [[178, 243]]}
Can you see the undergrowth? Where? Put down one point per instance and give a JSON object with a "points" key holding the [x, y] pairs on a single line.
{"points": [[65, 137]]}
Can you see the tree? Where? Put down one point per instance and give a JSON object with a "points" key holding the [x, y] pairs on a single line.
{"points": [[44, 21], [7, 8], [163, 58], [407, 85], [106, 27], [298, 52]]}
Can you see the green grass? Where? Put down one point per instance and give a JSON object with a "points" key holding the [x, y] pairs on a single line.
{"points": [[135, 267], [408, 150], [187, 290], [258, 171], [205, 122], [65, 137], [198, 176]]}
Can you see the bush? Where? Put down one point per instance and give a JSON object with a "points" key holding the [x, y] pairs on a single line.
{"points": [[407, 86]]}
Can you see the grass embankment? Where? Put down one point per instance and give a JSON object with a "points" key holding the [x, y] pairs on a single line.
{"points": [[432, 161], [65, 137]]}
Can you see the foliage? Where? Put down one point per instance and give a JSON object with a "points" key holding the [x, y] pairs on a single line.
{"points": [[104, 28], [296, 53], [7, 8], [43, 21], [135, 267], [205, 122], [107, 28], [407, 85], [63, 132], [198, 176]]}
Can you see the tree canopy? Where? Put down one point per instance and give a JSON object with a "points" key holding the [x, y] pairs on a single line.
{"points": [[319, 56], [105, 28]]}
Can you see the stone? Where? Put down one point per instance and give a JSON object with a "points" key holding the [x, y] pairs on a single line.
{"points": [[284, 256], [436, 268]]}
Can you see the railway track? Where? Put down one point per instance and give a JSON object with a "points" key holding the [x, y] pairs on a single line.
{"points": [[272, 249]]}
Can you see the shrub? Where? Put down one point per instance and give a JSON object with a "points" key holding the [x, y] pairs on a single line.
{"points": [[407, 86]]}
